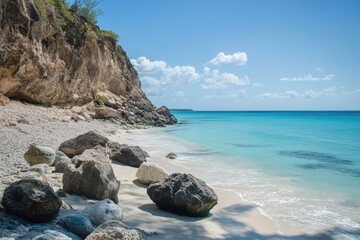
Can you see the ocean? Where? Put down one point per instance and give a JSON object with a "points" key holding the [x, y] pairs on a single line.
{"points": [[302, 169]]}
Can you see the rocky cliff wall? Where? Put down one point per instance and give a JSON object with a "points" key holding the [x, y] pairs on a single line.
{"points": [[51, 56]]}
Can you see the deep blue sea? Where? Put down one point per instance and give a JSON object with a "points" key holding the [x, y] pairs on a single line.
{"points": [[300, 168]]}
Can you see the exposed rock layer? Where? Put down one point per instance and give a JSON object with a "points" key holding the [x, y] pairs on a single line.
{"points": [[51, 56]]}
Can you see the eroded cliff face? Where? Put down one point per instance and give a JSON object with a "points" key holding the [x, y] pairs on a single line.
{"points": [[51, 56]]}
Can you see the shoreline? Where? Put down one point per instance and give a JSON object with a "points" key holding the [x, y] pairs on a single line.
{"points": [[232, 218]]}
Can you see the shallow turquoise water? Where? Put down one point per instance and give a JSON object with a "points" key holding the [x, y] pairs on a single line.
{"points": [[305, 153]]}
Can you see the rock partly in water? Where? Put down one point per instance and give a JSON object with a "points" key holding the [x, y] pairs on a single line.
{"points": [[150, 172], [132, 156], [91, 175], [39, 154], [32, 199], [169, 118], [183, 194], [77, 224], [51, 235], [116, 230], [104, 211], [78, 145], [171, 155]]}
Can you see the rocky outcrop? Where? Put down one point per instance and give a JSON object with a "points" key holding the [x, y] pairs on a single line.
{"points": [[132, 156], [103, 211], [78, 145], [183, 194], [150, 172], [49, 55], [39, 154], [32, 199], [116, 230], [91, 175]]}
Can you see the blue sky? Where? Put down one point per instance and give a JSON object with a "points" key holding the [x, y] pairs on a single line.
{"points": [[242, 55]]}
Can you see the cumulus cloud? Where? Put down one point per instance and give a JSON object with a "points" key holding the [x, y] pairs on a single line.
{"points": [[308, 77], [217, 80], [305, 94], [145, 66], [238, 58], [157, 75]]}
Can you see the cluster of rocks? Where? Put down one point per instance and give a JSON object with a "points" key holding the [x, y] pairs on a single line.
{"points": [[85, 165], [87, 171]]}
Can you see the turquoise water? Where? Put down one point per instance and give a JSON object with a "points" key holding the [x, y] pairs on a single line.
{"points": [[305, 163]]}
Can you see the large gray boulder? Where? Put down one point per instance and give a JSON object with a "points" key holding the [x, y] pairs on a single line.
{"points": [[91, 175], [116, 230], [132, 156], [183, 194], [77, 224], [39, 154], [32, 199], [78, 145], [103, 211], [150, 172]]}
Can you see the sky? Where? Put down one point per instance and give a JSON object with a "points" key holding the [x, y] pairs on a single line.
{"points": [[242, 54]]}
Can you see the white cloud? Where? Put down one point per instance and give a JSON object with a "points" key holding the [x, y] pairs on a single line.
{"points": [[238, 58], [257, 84], [308, 77], [319, 69], [305, 94], [155, 75], [145, 66], [226, 95], [216, 80]]}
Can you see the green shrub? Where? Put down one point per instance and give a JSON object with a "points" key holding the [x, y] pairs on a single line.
{"points": [[109, 33]]}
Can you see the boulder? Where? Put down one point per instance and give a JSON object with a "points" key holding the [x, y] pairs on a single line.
{"points": [[61, 161], [116, 230], [103, 211], [171, 155], [78, 145], [52, 235], [91, 175], [150, 172], [183, 194], [129, 155], [77, 224], [107, 112], [32, 199], [39, 154]]}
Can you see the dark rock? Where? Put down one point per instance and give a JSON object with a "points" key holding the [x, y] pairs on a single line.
{"points": [[116, 230], [165, 112], [78, 145], [104, 211], [39, 154], [171, 155], [32, 199], [91, 175], [183, 194], [77, 224], [129, 155], [61, 193]]}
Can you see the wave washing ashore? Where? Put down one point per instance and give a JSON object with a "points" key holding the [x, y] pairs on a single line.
{"points": [[300, 169]]}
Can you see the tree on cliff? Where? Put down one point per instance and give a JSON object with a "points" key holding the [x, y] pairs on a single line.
{"points": [[88, 9]]}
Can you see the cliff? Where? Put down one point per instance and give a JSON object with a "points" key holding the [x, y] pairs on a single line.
{"points": [[51, 56]]}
